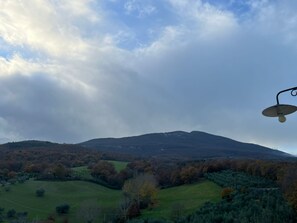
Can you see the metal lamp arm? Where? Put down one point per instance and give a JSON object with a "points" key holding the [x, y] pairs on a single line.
{"points": [[293, 93]]}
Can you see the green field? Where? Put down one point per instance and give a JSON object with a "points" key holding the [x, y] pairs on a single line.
{"points": [[191, 197], [118, 165], [22, 197], [82, 172]]}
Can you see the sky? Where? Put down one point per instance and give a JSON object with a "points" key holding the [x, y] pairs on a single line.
{"points": [[71, 71]]}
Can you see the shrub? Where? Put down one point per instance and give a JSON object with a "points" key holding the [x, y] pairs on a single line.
{"points": [[7, 188], [12, 181], [11, 213], [40, 192], [226, 193], [63, 209]]}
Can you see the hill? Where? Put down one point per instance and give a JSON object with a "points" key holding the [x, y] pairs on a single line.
{"points": [[22, 198], [179, 144], [28, 144]]}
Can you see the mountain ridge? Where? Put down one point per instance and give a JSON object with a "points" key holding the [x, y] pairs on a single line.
{"points": [[195, 144], [172, 145]]}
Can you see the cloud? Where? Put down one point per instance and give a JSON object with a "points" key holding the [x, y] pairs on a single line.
{"points": [[50, 28], [139, 7], [66, 75]]}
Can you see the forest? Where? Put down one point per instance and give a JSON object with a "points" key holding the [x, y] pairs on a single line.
{"points": [[252, 190]]}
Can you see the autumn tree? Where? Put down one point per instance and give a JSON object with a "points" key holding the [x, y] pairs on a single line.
{"points": [[189, 174], [226, 193], [103, 170], [142, 189], [11, 174], [60, 171], [289, 185]]}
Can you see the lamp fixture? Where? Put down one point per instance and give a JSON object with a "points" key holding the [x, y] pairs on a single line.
{"points": [[280, 110]]}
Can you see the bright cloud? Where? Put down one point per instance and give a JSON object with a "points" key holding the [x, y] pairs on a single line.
{"points": [[74, 70]]}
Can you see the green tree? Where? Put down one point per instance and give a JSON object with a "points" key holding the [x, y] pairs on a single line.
{"points": [[11, 213], [63, 209], [40, 192]]}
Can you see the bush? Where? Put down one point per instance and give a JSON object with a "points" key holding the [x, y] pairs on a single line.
{"points": [[11, 213], [1, 214], [63, 209], [7, 188], [12, 181], [226, 193], [40, 192]]}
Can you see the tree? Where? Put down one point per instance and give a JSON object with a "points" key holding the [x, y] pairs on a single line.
{"points": [[103, 170], [60, 171], [189, 174], [11, 174], [40, 192], [63, 209], [11, 213], [7, 187], [142, 189], [226, 193], [289, 185]]}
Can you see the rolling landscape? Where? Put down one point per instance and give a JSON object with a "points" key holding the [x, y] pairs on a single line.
{"points": [[159, 177], [148, 111]]}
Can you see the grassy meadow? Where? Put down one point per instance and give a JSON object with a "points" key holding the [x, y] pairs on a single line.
{"points": [[191, 197], [118, 165], [84, 172], [22, 197]]}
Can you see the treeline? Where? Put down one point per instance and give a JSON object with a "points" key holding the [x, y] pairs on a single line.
{"points": [[17, 158], [49, 159]]}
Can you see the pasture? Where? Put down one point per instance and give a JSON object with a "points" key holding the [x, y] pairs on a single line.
{"points": [[118, 165], [190, 197], [22, 197]]}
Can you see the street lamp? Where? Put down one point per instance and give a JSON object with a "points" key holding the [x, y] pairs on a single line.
{"points": [[280, 110]]}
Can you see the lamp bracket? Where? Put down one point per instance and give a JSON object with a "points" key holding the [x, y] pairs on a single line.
{"points": [[293, 93]]}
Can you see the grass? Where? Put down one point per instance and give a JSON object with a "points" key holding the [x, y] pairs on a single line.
{"points": [[118, 165], [82, 172], [191, 197], [22, 197]]}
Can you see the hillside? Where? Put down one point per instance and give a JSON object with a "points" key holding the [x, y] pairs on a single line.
{"points": [[179, 144]]}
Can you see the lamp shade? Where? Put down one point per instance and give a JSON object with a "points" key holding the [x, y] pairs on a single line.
{"points": [[279, 109]]}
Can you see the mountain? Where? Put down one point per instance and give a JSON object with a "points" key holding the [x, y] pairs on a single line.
{"points": [[179, 144]]}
